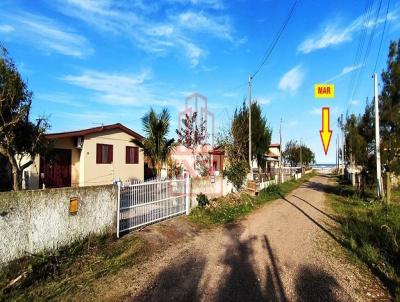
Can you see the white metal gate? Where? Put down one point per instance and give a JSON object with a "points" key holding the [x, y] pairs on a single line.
{"points": [[144, 203]]}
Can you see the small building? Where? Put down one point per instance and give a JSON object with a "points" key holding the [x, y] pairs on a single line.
{"points": [[94, 156], [272, 157]]}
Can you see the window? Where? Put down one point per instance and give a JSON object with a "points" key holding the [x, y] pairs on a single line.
{"points": [[104, 154], [132, 155]]}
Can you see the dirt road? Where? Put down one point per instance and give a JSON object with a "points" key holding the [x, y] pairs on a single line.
{"points": [[288, 250]]}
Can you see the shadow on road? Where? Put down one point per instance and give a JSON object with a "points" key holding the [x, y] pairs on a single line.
{"points": [[313, 220], [315, 285], [318, 209], [181, 280], [178, 282]]}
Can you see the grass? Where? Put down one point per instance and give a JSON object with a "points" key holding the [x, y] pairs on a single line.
{"points": [[55, 275], [233, 206], [371, 231]]}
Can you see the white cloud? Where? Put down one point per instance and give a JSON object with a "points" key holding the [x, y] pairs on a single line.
{"points": [[316, 111], [46, 34], [354, 102], [214, 4], [198, 21], [292, 79], [112, 88], [264, 101], [60, 98], [330, 36], [344, 71], [6, 28], [192, 51], [157, 30], [334, 34]]}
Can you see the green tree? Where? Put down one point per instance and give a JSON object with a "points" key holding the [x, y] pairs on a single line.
{"points": [[20, 139], [389, 103], [295, 152], [155, 145], [260, 134]]}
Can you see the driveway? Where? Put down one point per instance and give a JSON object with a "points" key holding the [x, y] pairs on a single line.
{"points": [[288, 250]]}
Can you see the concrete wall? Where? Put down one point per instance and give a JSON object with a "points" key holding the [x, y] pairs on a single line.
{"points": [[36, 221], [220, 187]]}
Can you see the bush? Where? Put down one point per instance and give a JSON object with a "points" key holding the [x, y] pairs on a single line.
{"points": [[202, 200], [236, 173]]}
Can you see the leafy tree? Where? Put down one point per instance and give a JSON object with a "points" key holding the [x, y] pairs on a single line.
{"points": [[260, 134], [390, 111], [236, 172], [20, 139], [156, 145], [294, 152]]}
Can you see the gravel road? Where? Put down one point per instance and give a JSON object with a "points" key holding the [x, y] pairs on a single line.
{"points": [[289, 250]]}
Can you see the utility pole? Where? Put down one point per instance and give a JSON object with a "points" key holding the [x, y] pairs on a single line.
{"points": [[301, 156], [343, 141], [250, 157], [280, 152], [379, 188], [337, 153]]}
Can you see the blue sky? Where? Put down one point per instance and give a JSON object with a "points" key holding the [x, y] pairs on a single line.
{"points": [[94, 62]]}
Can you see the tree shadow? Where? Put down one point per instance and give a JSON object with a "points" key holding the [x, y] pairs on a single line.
{"points": [[178, 282], [318, 209], [275, 290], [242, 283], [312, 284], [313, 220]]}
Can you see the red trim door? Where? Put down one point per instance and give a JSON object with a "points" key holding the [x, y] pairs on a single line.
{"points": [[56, 173]]}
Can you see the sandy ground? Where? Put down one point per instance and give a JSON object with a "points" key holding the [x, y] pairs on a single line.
{"points": [[288, 250]]}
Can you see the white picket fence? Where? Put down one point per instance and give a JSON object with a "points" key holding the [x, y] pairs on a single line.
{"points": [[143, 203], [267, 183]]}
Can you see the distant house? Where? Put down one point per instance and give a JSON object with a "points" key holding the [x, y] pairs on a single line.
{"points": [[273, 156], [94, 156], [184, 157]]}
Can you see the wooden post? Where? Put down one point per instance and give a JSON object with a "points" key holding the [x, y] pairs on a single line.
{"points": [[388, 187]]}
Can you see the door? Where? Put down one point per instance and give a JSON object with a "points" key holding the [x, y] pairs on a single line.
{"points": [[56, 173]]}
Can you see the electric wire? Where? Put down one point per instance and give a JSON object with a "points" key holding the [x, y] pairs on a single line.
{"points": [[367, 51], [275, 41], [382, 36], [366, 18]]}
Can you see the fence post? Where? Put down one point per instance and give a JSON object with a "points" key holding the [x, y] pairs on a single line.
{"points": [[118, 205], [187, 191]]}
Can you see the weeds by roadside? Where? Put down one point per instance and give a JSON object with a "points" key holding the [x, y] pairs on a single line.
{"points": [[233, 206], [49, 275], [371, 230]]}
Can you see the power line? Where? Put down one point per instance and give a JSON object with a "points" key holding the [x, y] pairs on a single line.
{"points": [[367, 51], [383, 34], [366, 17], [268, 52]]}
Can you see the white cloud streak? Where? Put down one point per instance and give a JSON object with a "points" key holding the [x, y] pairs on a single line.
{"points": [[344, 71], [334, 34], [292, 80], [45, 34], [114, 89], [171, 32]]}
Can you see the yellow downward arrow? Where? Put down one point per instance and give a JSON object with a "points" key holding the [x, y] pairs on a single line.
{"points": [[325, 133]]}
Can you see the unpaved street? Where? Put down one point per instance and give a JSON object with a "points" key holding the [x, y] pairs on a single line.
{"points": [[286, 251]]}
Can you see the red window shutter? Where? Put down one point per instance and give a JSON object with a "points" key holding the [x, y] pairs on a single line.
{"points": [[127, 159], [110, 154], [136, 155], [98, 154]]}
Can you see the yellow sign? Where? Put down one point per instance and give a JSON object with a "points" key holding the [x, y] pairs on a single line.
{"points": [[324, 91], [73, 205]]}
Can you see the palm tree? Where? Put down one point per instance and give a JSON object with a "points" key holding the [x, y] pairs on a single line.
{"points": [[156, 145]]}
